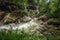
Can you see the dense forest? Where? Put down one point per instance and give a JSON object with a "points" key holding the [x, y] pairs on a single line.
{"points": [[34, 8], [23, 11]]}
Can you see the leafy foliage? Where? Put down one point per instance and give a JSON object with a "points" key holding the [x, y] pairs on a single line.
{"points": [[25, 36]]}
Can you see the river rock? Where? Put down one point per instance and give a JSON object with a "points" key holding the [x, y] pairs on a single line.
{"points": [[26, 19]]}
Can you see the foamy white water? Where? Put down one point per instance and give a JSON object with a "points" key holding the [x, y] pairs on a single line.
{"points": [[19, 26]]}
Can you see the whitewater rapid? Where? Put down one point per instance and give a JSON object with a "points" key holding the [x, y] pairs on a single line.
{"points": [[19, 26]]}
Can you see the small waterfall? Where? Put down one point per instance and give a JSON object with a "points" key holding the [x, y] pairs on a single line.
{"points": [[48, 1], [25, 8], [37, 9]]}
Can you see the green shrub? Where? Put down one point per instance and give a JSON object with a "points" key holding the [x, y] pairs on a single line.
{"points": [[22, 35]]}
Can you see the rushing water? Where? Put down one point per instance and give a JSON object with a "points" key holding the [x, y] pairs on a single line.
{"points": [[19, 26]]}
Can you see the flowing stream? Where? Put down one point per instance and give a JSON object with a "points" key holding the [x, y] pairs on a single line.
{"points": [[19, 26]]}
